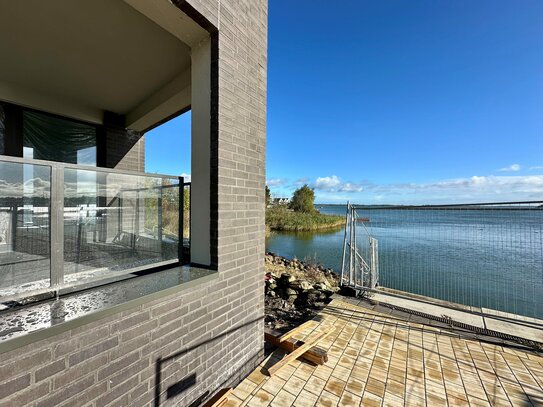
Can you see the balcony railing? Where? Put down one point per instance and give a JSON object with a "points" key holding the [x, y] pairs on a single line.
{"points": [[65, 226]]}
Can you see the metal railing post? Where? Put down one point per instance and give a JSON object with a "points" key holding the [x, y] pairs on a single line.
{"points": [[136, 220], [344, 245], [159, 220], [57, 224], [181, 222], [352, 258]]}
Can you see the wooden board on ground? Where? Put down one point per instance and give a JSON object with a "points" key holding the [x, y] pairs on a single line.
{"points": [[298, 352], [219, 399], [315, 354], [294, 331]]}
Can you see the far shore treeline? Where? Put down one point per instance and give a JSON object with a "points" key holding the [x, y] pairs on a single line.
{"points": [[299, 214]]}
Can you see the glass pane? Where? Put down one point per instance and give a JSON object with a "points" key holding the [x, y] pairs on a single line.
{"points": [[115, 223], [25, 258], [47, 137]]}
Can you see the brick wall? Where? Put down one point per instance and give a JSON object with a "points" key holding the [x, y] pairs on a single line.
{"points": [[125, 149], [119, 358], [188, 344]]}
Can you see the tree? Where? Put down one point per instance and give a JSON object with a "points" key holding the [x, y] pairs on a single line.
{"points": [[268, 196], [303, 200]]}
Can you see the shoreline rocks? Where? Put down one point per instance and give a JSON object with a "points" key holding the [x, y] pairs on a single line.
{"points": [[295, 290]]}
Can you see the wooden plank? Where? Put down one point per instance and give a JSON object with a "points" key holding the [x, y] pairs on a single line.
{"points": [[315, 354], [290, 333], [298, 352], [219, 399]]}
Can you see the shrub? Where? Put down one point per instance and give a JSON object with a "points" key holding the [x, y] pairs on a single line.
{"points": [[303, 200]]}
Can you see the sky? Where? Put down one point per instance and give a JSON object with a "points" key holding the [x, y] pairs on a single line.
{"points": [[398, 102]]}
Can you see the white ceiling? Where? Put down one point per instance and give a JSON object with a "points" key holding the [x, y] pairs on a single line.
{"points": [[99, 54]]}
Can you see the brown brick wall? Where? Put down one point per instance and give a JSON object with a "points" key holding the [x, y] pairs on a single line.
{"points": [[184, 345]]}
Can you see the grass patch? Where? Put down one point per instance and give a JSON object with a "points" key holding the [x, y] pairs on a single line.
{"points": [[280, 218]]}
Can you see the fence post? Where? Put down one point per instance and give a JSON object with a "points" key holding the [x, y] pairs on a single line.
{"points": [[181, 221], [344, 245], [374, 274]]}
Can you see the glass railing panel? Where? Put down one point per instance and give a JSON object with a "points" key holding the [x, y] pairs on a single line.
{"points": [[25, 256], [117, 223]]}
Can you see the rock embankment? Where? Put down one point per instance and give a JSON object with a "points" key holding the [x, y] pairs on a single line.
{"points": [[296, 291]]}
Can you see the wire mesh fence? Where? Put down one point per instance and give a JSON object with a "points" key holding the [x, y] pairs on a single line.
{"points": [[483, 255]]}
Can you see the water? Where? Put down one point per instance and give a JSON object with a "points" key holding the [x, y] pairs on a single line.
{"points": [[490, 258]]}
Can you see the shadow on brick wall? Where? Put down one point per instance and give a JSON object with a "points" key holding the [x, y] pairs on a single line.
{"points": [[190, 380]]}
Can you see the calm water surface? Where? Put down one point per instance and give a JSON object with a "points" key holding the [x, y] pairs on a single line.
{"points": [[489, 258]]}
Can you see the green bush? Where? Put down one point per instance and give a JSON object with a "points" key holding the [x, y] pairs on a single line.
{"points": [[303, 200]]}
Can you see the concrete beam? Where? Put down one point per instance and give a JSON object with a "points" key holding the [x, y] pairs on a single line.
{"points": [[30, 98], [170, 99], [171, 19]]}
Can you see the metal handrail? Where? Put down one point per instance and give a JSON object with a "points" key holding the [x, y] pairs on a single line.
{"points": [[34, 161], [481, 205]]}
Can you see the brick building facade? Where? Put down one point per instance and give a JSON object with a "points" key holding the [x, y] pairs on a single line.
{"points": [[177, 346]]}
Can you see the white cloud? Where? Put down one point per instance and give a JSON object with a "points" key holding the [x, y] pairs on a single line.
{"points": [[476, 188], [276, 182], [186, 177], [536, 168], [335, 184], [511, 168], [327, 183]]}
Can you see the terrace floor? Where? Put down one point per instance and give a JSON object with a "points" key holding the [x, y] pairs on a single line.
{"points": [[381, 357]]}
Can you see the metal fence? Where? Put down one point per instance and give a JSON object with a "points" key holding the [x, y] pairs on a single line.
{"points": [[483, 255], [359, 260]]}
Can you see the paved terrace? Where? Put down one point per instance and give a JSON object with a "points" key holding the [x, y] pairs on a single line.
{"points": [[380, 357]]}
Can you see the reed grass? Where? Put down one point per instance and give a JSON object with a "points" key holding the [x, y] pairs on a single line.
{"points": [[282, 219]]}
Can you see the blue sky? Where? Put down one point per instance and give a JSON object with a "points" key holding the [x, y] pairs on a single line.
{"points": [[400, 101]]}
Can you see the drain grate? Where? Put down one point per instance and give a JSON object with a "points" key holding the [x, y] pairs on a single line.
{"points": [[537, 346]]}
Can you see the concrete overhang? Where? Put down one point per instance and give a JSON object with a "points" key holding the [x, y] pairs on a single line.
{"points": [[80, 58]]}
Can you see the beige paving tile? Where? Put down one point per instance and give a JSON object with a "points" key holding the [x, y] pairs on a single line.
{"points": [[335, 386], [282, 399], [392, 400], [260, 398], [327, 400], [378, 360], [294, 385], [371, 400], [375, 387], [355, 386], [349, 400], [315, 385], [286, 372], [233, 401], [306, 399], [477, 402], [257, 377], [273, 385]]}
